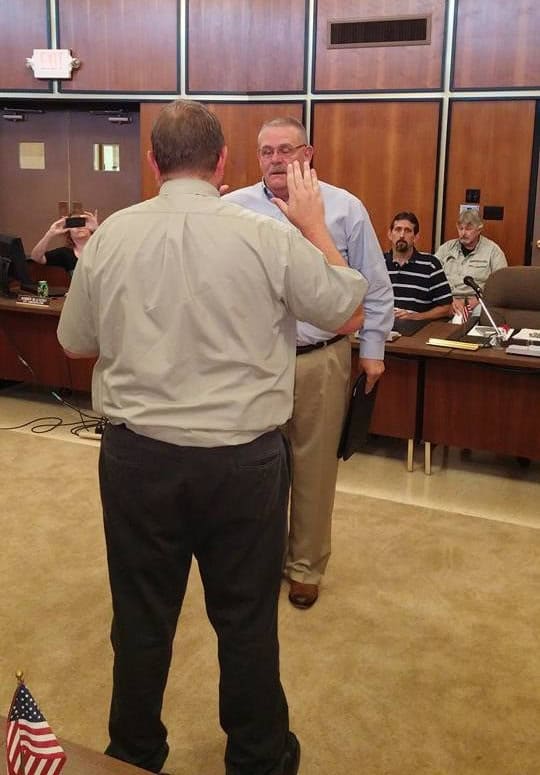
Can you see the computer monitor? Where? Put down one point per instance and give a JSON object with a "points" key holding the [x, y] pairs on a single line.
{"points": [[11, 248]]}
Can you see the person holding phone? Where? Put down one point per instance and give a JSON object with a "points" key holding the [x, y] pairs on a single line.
{"points": [[77, 228]]}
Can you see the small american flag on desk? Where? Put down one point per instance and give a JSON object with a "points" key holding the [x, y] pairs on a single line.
{"points": [[31, 746]]}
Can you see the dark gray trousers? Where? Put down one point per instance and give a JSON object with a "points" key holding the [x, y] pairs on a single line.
{"points": [[227, 507]]}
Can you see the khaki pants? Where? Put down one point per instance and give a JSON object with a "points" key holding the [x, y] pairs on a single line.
{"points": [[321, 396]]}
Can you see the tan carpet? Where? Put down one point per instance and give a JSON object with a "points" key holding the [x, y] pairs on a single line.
{"points": [[421, 657]]}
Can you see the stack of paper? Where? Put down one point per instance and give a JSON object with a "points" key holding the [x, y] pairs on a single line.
{"points": [[528, 334], [523, 349]]}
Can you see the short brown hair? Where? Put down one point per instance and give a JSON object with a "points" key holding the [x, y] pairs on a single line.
{"points": [[187, 137], [406, 216]]}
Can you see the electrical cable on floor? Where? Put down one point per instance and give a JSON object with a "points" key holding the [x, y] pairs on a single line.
{"points": [[92, 430], [90, 426], [56, 422], [50, 423]]}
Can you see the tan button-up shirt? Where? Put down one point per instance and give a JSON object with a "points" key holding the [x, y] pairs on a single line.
{"points": [[485, 259], [191, 303]]}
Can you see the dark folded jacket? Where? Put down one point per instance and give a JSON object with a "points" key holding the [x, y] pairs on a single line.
{"points": [[356, 426]]}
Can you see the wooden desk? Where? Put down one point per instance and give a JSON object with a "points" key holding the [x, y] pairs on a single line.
{"points": [[485, 400], [482, 399], [30, 333], [398, 406], [83, 761]]}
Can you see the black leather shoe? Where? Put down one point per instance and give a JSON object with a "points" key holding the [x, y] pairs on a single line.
{"points": [[291, 758], [303, 595]]}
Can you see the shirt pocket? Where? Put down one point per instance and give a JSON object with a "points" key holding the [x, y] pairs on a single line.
{"points": [[479, 269]]}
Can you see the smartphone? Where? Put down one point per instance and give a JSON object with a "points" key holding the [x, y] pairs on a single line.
{"points": [[75, 221]]}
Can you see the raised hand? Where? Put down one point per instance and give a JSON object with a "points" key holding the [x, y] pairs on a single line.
{"points": [[305, 208], [91, 220], [58, 227]]}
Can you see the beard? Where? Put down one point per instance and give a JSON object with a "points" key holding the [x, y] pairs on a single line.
{"points": [[401, 246]]}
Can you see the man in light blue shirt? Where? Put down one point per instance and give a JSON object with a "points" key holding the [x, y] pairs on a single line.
{"points": [[323, 360]]}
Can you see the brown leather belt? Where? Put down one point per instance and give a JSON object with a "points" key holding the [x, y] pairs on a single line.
{"points": [[307, 348]]}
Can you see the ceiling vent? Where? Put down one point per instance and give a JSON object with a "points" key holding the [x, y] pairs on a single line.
{"points": [[382, 31]]}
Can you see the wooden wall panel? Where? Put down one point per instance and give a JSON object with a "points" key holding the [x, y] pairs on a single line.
{"points": [[35, 191], [381, 68], [124, 47], [23, 27], [497, 44], [147, 116], [245, 46], [241, 123], [490, 148], [385, 153]]}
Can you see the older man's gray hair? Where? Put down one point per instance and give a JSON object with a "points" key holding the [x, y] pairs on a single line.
{"points": [[471, 218]]}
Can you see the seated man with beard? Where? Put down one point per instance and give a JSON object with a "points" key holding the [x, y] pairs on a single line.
{"points": [[421, 290]]}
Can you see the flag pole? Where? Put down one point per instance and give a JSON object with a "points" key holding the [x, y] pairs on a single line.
{"points": [[19, 675]]}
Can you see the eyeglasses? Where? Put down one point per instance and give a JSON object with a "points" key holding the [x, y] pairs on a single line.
{"points": [[285, 151]]}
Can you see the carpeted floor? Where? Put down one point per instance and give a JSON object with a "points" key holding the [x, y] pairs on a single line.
{"points": [[421, 658]]}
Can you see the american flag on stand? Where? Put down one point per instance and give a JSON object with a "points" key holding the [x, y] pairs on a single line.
{"points": [[31, 746], [465, 313]]}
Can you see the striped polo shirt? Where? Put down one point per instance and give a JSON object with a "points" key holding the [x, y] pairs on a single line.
{"points": [[420, 284]]}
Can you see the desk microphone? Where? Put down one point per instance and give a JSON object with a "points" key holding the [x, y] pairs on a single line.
{"points": [[471, 282]]}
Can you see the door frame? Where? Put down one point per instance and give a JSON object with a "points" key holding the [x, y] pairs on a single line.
{"points": [[534, 191]]}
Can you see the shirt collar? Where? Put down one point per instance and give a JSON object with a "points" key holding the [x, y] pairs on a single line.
{"points": [[394, 264], [472, 250], [195, 186], [268, 194]]}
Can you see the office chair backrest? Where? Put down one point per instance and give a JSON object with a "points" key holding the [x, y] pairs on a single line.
{"points": [[55, 275], [512, 295]]}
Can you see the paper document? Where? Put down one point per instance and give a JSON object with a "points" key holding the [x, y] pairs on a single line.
{"points": [[523, 349], [486, 331], [528, 334]]}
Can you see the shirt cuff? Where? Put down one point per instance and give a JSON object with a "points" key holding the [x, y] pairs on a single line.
{"points": [[371, 350]]}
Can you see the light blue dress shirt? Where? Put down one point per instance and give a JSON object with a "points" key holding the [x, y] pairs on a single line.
{"points": [[354, 236]]}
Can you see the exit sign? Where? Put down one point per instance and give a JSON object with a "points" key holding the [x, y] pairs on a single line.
{"points": [[52, 62]]}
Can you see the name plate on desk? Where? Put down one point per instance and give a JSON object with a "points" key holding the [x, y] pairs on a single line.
{"points": [[32, 301]]}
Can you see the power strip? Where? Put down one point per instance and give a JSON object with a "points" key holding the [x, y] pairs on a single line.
{"points": [[89, 435]]}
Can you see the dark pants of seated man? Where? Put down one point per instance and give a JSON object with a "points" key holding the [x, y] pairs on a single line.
{"points": [[227, 507]]}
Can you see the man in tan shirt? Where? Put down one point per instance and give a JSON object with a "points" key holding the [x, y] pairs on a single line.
{"points": [[189, 303], [471, 254]]}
